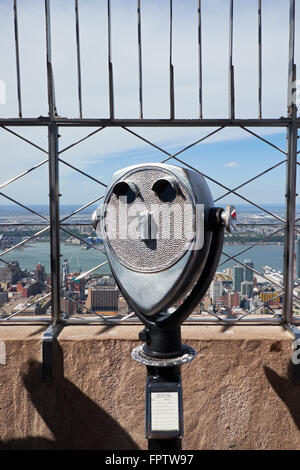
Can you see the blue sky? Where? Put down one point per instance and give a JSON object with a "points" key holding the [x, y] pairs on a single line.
{"points": [[232, 156]]}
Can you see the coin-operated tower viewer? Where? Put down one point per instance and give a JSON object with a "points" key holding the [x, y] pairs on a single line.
{"points": [[163, 238]]}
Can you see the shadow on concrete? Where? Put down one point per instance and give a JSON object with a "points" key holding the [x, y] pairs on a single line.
{"points": [[75, 421], [287, 390]]}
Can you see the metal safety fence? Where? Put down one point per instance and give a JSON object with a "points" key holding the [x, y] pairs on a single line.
{"points": [[54, 287]]}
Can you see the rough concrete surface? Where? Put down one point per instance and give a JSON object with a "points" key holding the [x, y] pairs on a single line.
{"points": [[237, 392]]}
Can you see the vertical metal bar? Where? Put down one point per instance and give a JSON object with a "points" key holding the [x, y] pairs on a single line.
{"points": [[110, 66], [172, 112], [50, 81], [291, 170], [231, 67], [53, 180], [140, 58], [259, 62], [200, 59], [78, 58], [17, 57]]}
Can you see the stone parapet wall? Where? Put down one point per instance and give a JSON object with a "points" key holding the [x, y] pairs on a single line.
{"points": [[237, 392]]}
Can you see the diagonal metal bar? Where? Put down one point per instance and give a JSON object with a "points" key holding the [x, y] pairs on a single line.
{"points": [[165, 151], [253, 245], [252, 179], [254, 270], [24, 207], [28, 274], [264, 140], [82, 172], [232, 191], [81, 239], [24, 139], [259, 306], [23, 174], [81, 140], [27, 306], [25, 241], [90, 271], [81, 208], [175, 156]]}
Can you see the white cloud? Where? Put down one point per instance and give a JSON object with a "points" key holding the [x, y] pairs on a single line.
{"points": [[231, 164]]}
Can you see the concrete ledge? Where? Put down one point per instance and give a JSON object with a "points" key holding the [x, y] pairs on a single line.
{"points": [[237, 391]]}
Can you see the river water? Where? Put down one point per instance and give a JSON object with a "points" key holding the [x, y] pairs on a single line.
{"points": [[79, 259]]}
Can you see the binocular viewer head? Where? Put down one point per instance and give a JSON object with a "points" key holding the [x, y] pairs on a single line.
{"points": [[160, 228]]}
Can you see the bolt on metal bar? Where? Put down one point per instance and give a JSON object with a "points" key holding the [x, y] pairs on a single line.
{"points": [[17, 58], [231, 66], [171, 67], [78, 58], [140, 58], [200, 60], [110, 65], [259, 61]]}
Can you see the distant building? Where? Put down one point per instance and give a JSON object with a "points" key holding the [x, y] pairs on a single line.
{"points": [[68, 307], [248, 272], [10, 273], [216, 290], [270, 297], [3, 298], [28, 310], [103, 296], [237, 277], [122, 306], [29, 288], [232, 299], [65, 270], [247, 288], [40, 273]]}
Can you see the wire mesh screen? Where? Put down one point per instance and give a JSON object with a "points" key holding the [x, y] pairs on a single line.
{"points": [[88, 87]]}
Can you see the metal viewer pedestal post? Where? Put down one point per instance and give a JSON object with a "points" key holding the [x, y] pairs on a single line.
{"points": [[163, 354]]}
